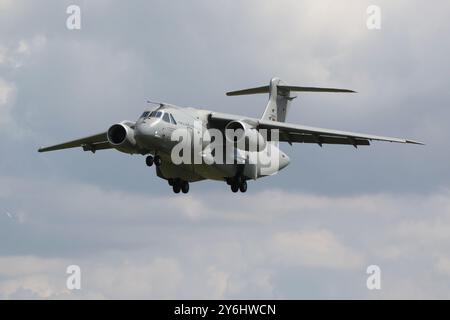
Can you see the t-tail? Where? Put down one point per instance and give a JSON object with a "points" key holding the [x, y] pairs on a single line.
{"points": [[280, 97]]}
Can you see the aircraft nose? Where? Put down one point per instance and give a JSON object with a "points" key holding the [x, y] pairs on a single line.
{"points": [[148, 132]]}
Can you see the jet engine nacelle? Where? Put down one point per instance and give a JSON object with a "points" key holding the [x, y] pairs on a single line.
{"points": [[121, 137], [245, 136]]}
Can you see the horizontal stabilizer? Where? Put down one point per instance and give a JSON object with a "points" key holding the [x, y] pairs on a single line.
{"points": [[313, 89], [265, 89]]}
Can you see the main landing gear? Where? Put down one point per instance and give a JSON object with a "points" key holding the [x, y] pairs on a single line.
{"points": [[179, 185], [150, 160], [237, 184]]}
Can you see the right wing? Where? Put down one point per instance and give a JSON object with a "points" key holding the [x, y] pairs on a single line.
{"points": [[91, 143], [305, 134], [294, 133]]}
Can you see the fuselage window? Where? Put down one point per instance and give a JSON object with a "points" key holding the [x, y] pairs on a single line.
{"points": [[166, 117], [172, 119]]}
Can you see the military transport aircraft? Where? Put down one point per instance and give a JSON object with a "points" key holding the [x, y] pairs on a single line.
{"points": [[151, 135]]}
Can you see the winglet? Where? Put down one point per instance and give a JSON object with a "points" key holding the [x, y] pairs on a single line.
{"points": [[415, 142]]}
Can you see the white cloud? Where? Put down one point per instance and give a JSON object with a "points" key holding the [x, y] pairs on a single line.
{"points": [[218, 244], [443, 265], [6, 4], [7, 96], [218, 281], [12, 58], [29, 276], [314, 249], [251, 242], [15, 56], [153, 278], [26, 265], [46, 278]]}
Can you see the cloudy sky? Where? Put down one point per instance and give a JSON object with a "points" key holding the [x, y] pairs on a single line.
{"points": [[309, 232]]}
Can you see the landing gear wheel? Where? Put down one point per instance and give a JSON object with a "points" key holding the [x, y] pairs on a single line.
{"points": [[185, 186], [149, 161], [176, 188], [170, 181], [157, 161], [176, 185], [243, 186], [234, 187]]}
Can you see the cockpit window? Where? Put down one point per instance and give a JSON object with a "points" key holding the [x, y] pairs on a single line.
{"points": [[145, 114], [166, 117], [155, 114], [172, 119]]}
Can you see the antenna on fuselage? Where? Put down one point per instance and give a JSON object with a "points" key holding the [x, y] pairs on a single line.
{"points": [[156, 103]]}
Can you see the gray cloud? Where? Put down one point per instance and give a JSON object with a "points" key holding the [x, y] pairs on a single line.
{"points": [[275, 244], [308, 232]]}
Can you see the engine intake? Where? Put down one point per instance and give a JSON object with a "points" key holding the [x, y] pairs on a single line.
{"points": [[121, 137], [244, 136]]}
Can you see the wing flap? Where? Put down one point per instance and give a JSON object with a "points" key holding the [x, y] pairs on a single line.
{"points": [[309, 138]]}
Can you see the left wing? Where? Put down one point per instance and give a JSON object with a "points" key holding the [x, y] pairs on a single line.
{"points": [[304, 134], [91, 143]]}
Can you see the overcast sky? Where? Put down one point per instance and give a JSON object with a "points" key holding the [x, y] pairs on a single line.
{"points": [[309, 232]]}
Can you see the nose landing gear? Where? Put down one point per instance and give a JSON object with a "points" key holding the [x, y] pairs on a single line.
{"points": [[157, 161], [149, 161]]}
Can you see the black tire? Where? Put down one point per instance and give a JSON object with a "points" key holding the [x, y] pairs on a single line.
{"points": [[149, 161], [234, 187], [185, 187], [243, 186], [176, 188], [157, 161], [170, 181]]}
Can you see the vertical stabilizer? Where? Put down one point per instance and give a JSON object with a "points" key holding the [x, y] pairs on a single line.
{"points": [[280, 97], [278, 103]]}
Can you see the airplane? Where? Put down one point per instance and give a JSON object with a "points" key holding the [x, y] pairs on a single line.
{"points": [[152, 136]]}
